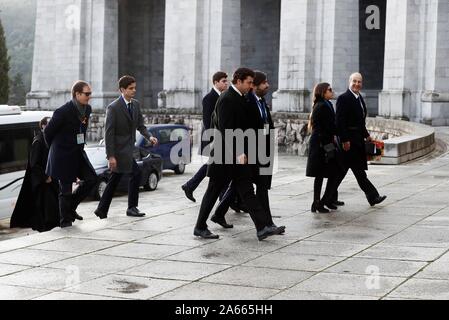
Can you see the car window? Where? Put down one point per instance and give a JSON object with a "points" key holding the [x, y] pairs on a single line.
{"points": [[179, 134], [164, 135]]}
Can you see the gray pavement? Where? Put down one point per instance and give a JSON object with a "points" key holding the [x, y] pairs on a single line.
{"points": [[398, 250]]}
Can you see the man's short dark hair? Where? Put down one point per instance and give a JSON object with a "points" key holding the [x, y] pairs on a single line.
{"points": [[242, 74], [78, 87], [125, 82], [259, 77], [218, 76], [43, 122]]}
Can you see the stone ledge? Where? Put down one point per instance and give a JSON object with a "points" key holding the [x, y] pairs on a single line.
{"points": [[410, 140]]}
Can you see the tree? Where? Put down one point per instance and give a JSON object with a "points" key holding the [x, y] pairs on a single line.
{"points": [[17, 94], [4, 68]]}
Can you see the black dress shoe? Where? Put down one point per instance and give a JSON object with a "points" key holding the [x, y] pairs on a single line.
{"points": [[66, 224], [134, 212], [188, 193], [205, 234], [331, 206], [318, 207], [378, 200], [282, 227], [76, 216], [338, 203], [100, 214], [222, 222], [269, 231]]}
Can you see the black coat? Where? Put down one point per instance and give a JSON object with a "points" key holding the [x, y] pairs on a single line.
{"points": [[257, 123], [66, 155], [351, 116], [231, 113], [37, 205], [209, 102], [323, 133]]}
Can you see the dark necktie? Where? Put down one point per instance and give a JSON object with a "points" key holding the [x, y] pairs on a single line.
{"points": [[130, 110], [263, 109]]}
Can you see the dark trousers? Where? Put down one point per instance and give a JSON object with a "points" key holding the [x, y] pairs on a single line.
{"points": [[195, 181], [330, 192], [133, 189], [244, 189], [68, 202], [367, 187], [231, 194]]}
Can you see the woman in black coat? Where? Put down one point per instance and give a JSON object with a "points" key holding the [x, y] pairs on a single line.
{"points": [[321, 162], [37, 206]]}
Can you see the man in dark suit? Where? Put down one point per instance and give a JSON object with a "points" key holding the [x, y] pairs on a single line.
{"points": [[220, 84], [65, 134], [261, 122], [230, 159], [123, 117], [350, 117]]}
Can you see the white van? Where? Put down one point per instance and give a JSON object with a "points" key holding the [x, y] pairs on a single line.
{"points": [[17, 130]]}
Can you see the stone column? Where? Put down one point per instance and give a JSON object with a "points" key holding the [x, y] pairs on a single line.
{"points": [[201, 37], [74, 39], [416, 62], [319, 43]]}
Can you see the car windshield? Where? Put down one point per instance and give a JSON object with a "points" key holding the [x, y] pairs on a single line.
{"points": [[97, 156]]}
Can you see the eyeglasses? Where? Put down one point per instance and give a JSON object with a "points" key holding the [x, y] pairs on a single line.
{"points": [[87, 94]]}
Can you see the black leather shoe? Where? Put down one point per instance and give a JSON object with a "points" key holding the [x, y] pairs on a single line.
{"points": [[205, 234], [66, 224], [281, 227], [100, 214], [318, 207], [331, 206], [76, 216], [269, 231], [222, 222], [188, 193], [338, 203], [134, 212], [378, 200]]}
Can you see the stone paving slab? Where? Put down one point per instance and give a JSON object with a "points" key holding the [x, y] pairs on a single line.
{"points": [[406, 239]]}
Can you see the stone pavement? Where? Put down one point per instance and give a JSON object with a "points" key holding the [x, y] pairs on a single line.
{"points": [[398, 250]]}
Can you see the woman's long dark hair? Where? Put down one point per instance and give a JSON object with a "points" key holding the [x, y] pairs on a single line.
{"points": [[318, 95]]}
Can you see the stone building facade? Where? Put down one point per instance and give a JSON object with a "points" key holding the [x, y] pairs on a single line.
{"points": [[174, 46]]}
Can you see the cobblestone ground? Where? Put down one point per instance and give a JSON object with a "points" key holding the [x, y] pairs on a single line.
{"points": [[398, 250]]}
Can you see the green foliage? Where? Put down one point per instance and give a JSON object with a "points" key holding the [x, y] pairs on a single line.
{"points": [[4, 68], [17, 94]]}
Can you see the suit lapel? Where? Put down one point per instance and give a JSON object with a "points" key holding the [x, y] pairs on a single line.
{"points": [[124, 108]]}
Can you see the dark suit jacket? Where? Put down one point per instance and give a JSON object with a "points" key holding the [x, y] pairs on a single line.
{"points": [[351, 127], [209, 102], [120, 132], [66, 155], [324, 130], [230, 113], [258, 123]]}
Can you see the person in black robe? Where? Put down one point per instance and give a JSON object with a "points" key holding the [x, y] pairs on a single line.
{"points": [[37, 206]]}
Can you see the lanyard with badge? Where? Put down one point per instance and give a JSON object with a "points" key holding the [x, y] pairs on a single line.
{"points": [[266, 125], [80, 136]]}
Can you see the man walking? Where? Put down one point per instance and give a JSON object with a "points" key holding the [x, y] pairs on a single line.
{"points": [[220, 84], [65, 135], [351, 128], [230, 117], [123, 117]]}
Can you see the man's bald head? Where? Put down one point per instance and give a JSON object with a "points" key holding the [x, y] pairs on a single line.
{"points": [[356, 82]]}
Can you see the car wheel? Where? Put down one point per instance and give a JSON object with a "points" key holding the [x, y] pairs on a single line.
{"points": [[180, 168], [101, 187], [152, 182]]}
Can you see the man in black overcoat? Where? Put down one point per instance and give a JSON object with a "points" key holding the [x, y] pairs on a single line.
{"points": [[65, 134], [220, 84], [352, 132], [229, 160]]}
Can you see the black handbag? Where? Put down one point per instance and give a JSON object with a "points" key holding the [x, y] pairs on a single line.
{"points": [[371, 149], [330, 151]]}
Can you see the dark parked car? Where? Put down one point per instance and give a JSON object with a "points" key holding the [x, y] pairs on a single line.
{"points": [[150, 164], [175, 145]]}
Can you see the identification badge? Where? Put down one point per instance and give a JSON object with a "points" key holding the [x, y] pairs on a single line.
{"points": [[80, 138], [266, 129]]}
